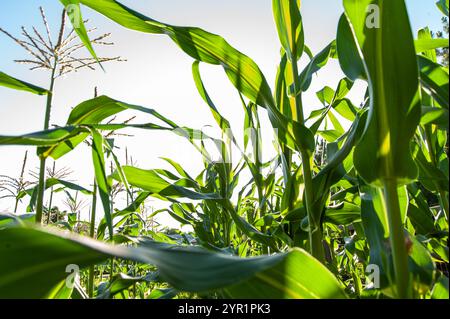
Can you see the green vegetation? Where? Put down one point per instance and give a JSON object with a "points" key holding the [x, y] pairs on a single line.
{"points": [[338, 213]]}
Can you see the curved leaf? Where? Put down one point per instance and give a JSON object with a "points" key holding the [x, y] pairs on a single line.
{"points": [[210, 48], [13, 83], [151, 181], [31, 275], [434, 78], [348, 53]]}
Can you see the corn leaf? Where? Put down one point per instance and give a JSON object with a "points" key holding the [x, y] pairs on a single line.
{"points": [[74, 13], [443, 6], [290, 28], [203, 46], [347, 50], [32, 275], [43, 138], [104, 188], [391, 65], [151, 181], [13, 83], [434, 78], [423, 45], [316, 63]]}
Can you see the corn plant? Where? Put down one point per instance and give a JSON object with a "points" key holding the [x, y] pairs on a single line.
{"points": [[60, 59], [357, 212]]}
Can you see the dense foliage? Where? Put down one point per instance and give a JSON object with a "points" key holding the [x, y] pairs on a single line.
{"points": [[354, 204]]}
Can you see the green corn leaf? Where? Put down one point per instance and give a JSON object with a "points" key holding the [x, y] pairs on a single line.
{"points": [[123, 215], [334, 170], [429, 175], [440, 289], [60, 291], [423, 45], [345, 108], [425, 35], [92, 112], [290, 28], [390, 61], [281, 88], [73, 11], [295, 277], [96, 110], [435, 115], [13, 83], [330, 135], [348, 51], [199, 44], [223, 123], [344, 86], [51, 182], [32, 275], [247, 228], [352, 138], [177, 167], [162, 293], [151, 181], [422, 220], [66, 145], [336, 124], [43, 138], [121, 282], [344, 214], [104, 188], [443, 6], [203, 46], [434, 78], [326, 95], [334, 100], [316, 63]]}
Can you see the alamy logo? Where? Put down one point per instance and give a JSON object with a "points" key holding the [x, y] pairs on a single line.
{"points": [[74, 275], [74, 14], [373, 17], [373, 275]]}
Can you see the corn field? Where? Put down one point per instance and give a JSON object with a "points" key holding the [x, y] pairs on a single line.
{"points": [[353, 204]]}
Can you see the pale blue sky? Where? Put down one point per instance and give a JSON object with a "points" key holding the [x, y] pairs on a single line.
{"points": [[158, 74]]}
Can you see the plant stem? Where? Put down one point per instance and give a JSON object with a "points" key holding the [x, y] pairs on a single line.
{"points": [[92, 235], [111, 236], [50, 206], [22, 173], [16, 205], [315, 235], [397, 238], [41, 186], [51, 197]]}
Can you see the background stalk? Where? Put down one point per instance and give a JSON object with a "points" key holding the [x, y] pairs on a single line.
{"points": [[92, 235], [397, 238], [315, 236], [50, 202], [22, 174], [41, 186]]}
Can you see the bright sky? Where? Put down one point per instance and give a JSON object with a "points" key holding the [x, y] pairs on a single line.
{"points": [[158, 75]]}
